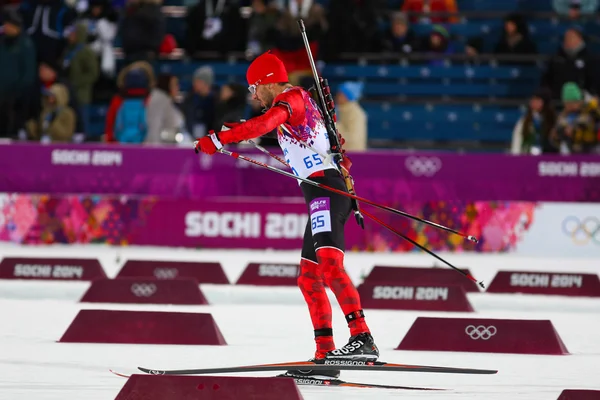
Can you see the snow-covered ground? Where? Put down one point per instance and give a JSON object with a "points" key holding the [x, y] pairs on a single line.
{"points": [[272, 325]]}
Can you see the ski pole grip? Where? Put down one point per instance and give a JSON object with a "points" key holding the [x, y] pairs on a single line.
{"points": [[301, 25]]}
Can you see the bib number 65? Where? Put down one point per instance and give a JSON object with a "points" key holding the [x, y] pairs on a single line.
{"points": [[309, 163]]}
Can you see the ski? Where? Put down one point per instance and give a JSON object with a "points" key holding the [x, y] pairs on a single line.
{"points": [[338, 382], [308, 381], [322, 365]]}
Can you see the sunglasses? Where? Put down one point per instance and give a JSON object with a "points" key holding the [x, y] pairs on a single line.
{"points": [[252, 88]]}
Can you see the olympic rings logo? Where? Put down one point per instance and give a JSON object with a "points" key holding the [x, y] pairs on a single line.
{"points": [[143, 289], [481, 332], [582, 231], [166, 273], [423, 166], [155, 372]]}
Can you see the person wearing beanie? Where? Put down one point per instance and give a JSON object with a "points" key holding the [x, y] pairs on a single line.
{"points": [[531, 134], [17, 74], [438, 43], [401, 38], [304, 140], [574, 62], [576, 124], [352, 119], [200, 104]]}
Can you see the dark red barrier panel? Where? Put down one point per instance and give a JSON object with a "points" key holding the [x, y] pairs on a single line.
{"points": [[143, 327], [265, 274], [555, 283], [144, 291], [424, 298], [174, 387], [420, 276], [203, 272], [66, 269], [579, 394], [483, 335]]}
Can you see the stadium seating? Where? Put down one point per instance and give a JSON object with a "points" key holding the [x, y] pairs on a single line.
{"points": [[467, 114]]}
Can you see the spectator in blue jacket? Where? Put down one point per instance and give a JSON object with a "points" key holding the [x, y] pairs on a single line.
{"points": [[17, 75]]}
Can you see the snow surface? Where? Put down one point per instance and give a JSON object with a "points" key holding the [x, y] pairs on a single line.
{"points": [[272, 325]]}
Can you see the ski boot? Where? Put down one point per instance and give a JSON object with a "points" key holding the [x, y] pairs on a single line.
{"points": [[313, 374], [359, 348]]}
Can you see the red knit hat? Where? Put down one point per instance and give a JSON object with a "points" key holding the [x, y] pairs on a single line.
{"points": [[266, 68]]}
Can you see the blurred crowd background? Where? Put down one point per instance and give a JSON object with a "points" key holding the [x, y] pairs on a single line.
{"points": [[515, 76]]}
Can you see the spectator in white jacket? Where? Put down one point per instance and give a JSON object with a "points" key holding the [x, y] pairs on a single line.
{"points": [[352, 119], [165, 120], [101, 22]]}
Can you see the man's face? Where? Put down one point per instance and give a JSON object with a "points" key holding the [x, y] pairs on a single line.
{"points": [[572, 40], [510, 28], [11, 30], [399, 28], [46, 73], [536, 104], [436, 40], [96, 10], [574, 13], [264, 95], [72, 37], [573, 106], [199, 86]]}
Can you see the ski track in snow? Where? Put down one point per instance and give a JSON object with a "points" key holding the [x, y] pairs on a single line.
{"points": [[272, 325]]}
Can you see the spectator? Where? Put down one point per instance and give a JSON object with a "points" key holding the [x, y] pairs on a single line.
{"points": [[48, 74], [576, 124], [165, 120], [215, 25], [232, 104], [46, 21], [57, 120], [101, 22], [81, 66], [17, 75], [355, 27], [573, 63], [401, 38], [473, 48], [426, 7], [437, 44], [515, 37], [126, 116], [142, 30], [352, 119], [287, 38], [199, 105], [574, 10], [262, 23], [532, 132]]}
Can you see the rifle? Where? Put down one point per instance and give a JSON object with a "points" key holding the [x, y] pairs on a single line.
{"points": [[327, 108]]}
